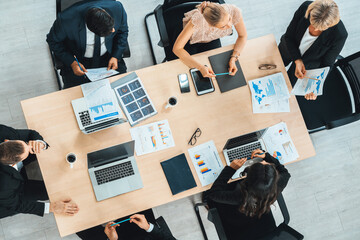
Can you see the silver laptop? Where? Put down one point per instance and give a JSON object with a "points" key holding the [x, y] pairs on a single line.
{"points": [[84, 121], [113, 171], [242, 147]]}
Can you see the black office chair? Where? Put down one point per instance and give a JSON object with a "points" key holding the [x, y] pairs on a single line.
{"points": [[168, 18], [340, 102], [281, 232], [61, 5]]}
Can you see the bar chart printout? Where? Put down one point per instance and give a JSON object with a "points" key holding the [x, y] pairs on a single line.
{"points": [[206, 161], [100, 100]]}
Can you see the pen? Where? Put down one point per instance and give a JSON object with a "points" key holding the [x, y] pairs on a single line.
{"points": [[312, 78], [78, 63], [120, 222], [256, 154], [218, 74]]}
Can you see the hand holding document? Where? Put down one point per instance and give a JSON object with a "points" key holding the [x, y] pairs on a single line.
{"points": [[95, 74], [313, 82]]}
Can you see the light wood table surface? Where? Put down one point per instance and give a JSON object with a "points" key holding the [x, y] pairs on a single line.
{"points": [[220, 116]]}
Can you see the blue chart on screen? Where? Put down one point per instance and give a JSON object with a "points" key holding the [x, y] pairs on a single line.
{"points": [[102, 109], [127, 99], [136, 116], [134, 85], [147, 110]]}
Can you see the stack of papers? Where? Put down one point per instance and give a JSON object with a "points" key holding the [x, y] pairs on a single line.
{"points": [[206, 161], [279, 144], [310, 85], [152, 137], [270, 94], [100, 100], [95, 74]]}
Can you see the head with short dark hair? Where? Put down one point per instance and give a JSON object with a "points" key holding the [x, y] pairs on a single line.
{"points": [[13, 151], [259, 189], [99, 22]]}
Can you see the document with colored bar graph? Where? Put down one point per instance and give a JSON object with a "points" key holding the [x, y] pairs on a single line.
{"points": [[206, 161]]}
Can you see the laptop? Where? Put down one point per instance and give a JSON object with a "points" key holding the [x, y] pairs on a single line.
{"points": [[84, 121], [113, 171], [242, 147]]}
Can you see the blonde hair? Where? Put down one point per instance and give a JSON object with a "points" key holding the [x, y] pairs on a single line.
{"points": [[323, 14], [212, 12]]}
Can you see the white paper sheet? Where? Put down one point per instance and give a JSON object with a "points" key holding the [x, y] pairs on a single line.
{"points": [[279, 144], [152, 137], [95, 74], [307, 85], [100, 100], [279, 106], [206, 161]]}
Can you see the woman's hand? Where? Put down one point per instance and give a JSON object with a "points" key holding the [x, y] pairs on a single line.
{"points": [[310, 96], [207, 72], [300, 70], [232, 66], [258, 153], [237, 163]]}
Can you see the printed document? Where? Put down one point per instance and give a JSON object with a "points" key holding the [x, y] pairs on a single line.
{"points": [[206, 161], [100, 100], [95, 74], [152, 137], [310, 85]]}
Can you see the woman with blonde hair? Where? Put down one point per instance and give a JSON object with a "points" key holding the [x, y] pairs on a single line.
{"points": [[203, 27], [314, 38]]}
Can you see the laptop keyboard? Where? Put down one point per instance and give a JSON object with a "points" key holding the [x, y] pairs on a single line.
{"points": [[114, 172], [85, 118], [243, 151]]}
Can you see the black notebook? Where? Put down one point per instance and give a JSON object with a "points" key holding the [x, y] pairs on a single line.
{"points": [[220, 64], [178, 174]]}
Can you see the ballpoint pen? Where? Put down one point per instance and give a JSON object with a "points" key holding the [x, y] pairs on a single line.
{"points": [[120, 222], [78, 63], [219, 74]]}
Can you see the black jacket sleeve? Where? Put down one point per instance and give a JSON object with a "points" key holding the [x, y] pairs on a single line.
{"points": [[160, 234], [120, 39], [219, 192], [290, 34], [284, 175]]}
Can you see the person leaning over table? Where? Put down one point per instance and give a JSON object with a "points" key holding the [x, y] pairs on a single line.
{"points": [[153, 231], [245, 204], [205, 24], [18, 194], [314, 39]]}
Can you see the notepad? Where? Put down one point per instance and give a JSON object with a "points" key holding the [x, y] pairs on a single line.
{"points": [[220, 64], [178, 174]]}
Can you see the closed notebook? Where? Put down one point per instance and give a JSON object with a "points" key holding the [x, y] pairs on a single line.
{"points": [[220, 64], [178, 174]]}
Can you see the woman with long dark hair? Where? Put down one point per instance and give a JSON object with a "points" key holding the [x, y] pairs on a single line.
{"points": [[244, 206]]}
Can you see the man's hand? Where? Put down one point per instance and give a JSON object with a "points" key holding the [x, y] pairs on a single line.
{"points": [[76, 69], [36, 147], [110, 231], [140, 220], [237, 163], [300, 70], [66, 207], [232, 66], [310, 96], [258, 153], [113, 64], [207, 72]]}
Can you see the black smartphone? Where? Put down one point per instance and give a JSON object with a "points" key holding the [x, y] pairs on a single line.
{"points": [[202, 84], [184, 83]]}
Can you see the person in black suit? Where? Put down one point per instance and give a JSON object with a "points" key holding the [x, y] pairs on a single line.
{"points": [[18, 194], [95, 32], [153, 232], [314, 39], [244, 206]]}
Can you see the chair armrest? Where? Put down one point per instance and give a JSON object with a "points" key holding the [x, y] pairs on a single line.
{"points": [[283, 208], [162, 224], [213, 216], [343, 121], [126, 53], [164, 39]]}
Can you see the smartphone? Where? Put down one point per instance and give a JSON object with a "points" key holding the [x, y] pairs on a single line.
{"points": [[202, 84], [184, 83]]}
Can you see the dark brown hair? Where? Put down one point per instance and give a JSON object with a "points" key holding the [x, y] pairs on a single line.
{"points": [[259, 189], [10, 152]]}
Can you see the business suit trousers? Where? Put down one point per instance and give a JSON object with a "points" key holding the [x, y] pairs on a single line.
{"points": [[71, 80]]}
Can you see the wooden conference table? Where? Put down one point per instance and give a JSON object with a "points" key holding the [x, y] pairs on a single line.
{"points": [[220, 116]]}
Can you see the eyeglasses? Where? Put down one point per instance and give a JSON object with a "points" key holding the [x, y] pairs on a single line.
{"points": [[267, 66], [193, 138]]}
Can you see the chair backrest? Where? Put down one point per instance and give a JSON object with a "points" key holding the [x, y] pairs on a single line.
{"points": [[61, 5]]}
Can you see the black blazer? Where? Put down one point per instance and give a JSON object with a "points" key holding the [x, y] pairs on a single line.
{"points": [[11, 181], [323, 51], [67, 37], [220, 192]]}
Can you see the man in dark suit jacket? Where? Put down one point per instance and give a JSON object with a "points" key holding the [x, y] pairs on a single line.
{"points": [[322, 19], [17, 193], [95, 32]]}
